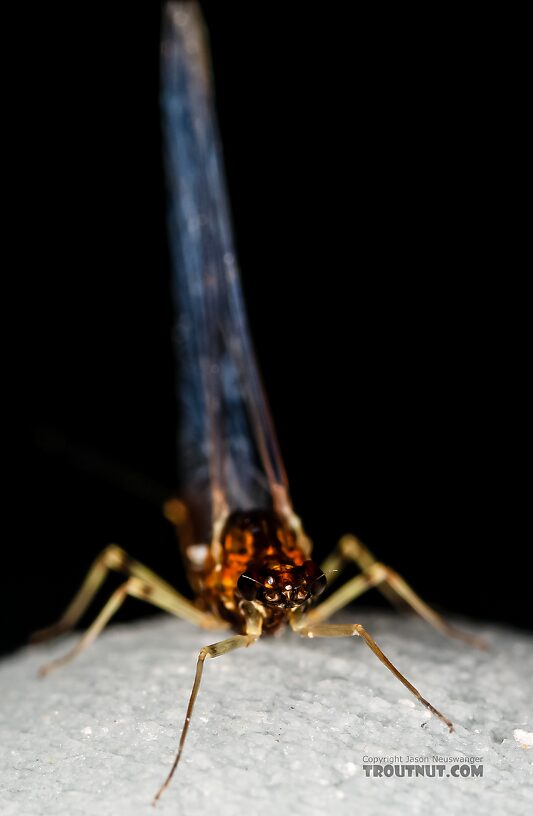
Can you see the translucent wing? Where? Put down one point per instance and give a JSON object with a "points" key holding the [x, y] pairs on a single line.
{"points": [[228, 452]]}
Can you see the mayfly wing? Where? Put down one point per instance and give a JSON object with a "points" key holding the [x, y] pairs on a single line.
{"points": [[228, 452]]}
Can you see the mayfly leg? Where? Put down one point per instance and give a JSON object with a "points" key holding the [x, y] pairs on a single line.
{"points": [[356, 630], [351, 550], [142, 584], [116, 559], [253, 627], [392, 585], [134, 588]]}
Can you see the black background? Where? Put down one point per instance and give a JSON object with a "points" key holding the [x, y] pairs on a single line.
{"points": [[368, 168]]}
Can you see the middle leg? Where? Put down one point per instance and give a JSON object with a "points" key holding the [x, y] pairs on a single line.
{"points": [[135, 588], [389, 582], [114, 558]]}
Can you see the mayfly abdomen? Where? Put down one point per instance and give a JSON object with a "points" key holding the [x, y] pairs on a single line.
{"points": [[227, 450]]}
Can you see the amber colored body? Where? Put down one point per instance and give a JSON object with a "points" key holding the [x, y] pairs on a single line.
{"points": [[251, 569], [260, 560]]}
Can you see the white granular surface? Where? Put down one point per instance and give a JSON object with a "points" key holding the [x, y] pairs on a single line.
{"points": [[283, 727]]}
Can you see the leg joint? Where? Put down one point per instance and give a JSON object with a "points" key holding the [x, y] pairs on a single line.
{"points": [[350, 547], [114, 557], [137, 588], [378, 572]]}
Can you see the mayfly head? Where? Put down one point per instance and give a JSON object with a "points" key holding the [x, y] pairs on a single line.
{"points": [[282, 585], [272, 567]]}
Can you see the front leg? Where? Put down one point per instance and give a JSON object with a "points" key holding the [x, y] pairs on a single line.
{"points": [[303, 627], [253, 626]]}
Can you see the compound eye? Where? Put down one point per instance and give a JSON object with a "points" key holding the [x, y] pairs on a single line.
{"points": [[248, 587], [318, 586]]}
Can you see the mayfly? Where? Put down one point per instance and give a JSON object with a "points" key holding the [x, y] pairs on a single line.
{"points": [[246, 555]]}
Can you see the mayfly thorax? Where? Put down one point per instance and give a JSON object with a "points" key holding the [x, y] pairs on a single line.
{"points": [[248, 560]]}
